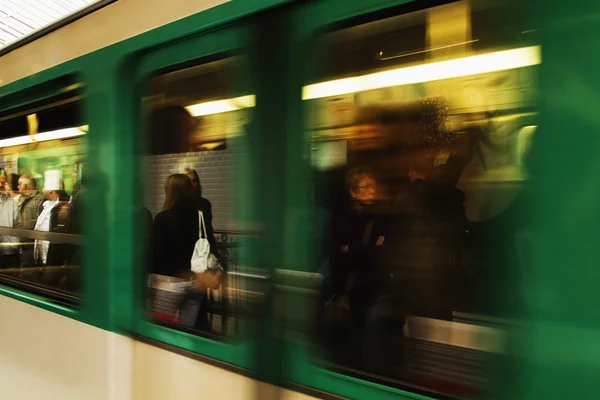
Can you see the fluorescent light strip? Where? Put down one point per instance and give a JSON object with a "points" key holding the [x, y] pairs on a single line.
{"points": [[221, 106], [473, 65], [44, 136], [60, 134]]}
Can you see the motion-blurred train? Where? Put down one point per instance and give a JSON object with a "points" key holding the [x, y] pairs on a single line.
{"points": [[396, 187]]}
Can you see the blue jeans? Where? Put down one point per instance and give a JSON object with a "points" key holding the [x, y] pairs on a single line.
{"points": [[194, 309], [383, 338]]}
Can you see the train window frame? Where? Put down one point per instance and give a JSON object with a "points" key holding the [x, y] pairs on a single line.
{"points": [[21, 99], [188, 52], [312, 21]]}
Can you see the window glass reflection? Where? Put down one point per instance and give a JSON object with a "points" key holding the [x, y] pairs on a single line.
{"points": [[419, 164], [42, 175], [197, 126]]}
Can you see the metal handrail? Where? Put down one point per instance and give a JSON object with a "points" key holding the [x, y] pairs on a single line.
{"points": [[53, 237]]}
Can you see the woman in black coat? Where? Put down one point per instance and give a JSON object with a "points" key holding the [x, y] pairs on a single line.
{"points": [[176, 231]]}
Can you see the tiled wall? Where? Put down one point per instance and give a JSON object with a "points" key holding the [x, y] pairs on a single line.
{"points": [[216, 169]]}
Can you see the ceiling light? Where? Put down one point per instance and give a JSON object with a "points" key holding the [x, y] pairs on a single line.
{"points": [[221, 106], [16, 141], [44, 136], [479, 64], [60, 134]]}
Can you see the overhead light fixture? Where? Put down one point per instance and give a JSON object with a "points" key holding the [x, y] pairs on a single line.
{"points": [[473, 65], [222, 106], [16, 141], [45, 136], [60, 134]]}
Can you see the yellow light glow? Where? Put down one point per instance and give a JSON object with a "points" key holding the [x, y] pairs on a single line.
{"points": [[44, 136], [221, 106], [60, 134], [16, 141], [473, 65]]}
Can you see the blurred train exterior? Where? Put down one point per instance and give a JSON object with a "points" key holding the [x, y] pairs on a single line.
{"points": [[285, 71]]}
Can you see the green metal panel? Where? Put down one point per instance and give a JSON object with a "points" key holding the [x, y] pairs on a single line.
{"points": [[320, 14], [108, 273], [558, 352]]}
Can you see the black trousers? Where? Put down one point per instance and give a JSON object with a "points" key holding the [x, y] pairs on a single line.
{"points": [[9, 261]]}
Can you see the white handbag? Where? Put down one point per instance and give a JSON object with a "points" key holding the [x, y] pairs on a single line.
{"points": [[202, 258]]}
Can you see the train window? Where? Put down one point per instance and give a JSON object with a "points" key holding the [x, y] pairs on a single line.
{"points": [[197, 140], [418, 129], [42, 185]]}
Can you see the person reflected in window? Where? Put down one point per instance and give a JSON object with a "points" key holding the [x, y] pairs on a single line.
{"points": [[56, 197], [427, 244], [176, 231], [13, 187], [9, 218], [76, 200], [60, 254], [30, 202], [30, 206], [78, 175], [74, 213], [358, 237], [202, 204]]}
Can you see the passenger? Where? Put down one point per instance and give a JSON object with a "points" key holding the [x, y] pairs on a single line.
{"points": [[13, 188], [9, 218], [357, 277], [60, 254], [30, 206], [76, 200], [421, 240], [176, 231], [30, 202], [425, 241], [496, 217], [56, 199], [78, 174], [203, 205]]}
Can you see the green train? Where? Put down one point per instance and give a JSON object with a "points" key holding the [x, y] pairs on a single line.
{"points": [[391, 198]]}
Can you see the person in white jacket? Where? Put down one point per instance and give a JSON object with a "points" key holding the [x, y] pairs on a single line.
{"points": [[55, 194], [9, 218]]}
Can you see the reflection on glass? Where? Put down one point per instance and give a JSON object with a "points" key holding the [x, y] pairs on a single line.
{"points": [[419, 159], [197, 145], [38, 199]]}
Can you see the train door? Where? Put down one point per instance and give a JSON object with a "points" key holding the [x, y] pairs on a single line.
{"points": [[407, 187]]}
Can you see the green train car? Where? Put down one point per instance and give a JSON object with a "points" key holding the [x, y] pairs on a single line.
{"points": [[394, 187]]}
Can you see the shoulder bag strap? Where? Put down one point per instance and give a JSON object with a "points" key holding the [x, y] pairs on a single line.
{"points": [[202, 225]]}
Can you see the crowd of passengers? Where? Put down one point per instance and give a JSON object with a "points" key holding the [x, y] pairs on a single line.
{"points": [[395, 240], [27, 204]]}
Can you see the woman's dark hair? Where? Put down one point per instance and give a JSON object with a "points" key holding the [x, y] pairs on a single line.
{"points": [[178, 191], [198, 187]]}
